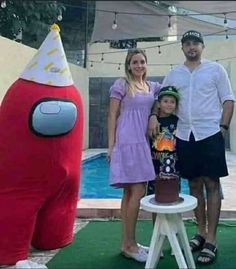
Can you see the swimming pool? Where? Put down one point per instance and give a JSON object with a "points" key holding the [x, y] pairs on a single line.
{"points": [[95, 180]]}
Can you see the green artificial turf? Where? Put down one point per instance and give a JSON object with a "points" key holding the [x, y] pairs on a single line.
{"points": [[97, 246]]}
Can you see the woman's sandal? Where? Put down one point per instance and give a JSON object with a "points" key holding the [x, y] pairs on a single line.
{"points": [[147, 249], [143, 247], [207, 255], [196, 242], [139, 256]]}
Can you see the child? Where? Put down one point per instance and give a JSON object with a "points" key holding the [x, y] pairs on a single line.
{"points": [[163, 145]]}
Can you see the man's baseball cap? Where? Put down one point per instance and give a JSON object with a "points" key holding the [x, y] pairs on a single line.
{"points": [[170, 91], [192, 35]]}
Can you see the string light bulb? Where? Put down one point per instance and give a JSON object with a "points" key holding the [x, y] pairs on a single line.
{"points": [[119, 67], [59, 17], [91, 65], [159, 49], [3, 4], [102, 59], [225, 21], [114, 25], [169, 21], [226, 34]]}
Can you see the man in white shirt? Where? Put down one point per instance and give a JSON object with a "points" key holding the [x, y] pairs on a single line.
{"points": [[205, 110]]}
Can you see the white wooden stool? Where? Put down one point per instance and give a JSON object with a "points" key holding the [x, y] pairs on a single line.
{"points": [[168, 224]]}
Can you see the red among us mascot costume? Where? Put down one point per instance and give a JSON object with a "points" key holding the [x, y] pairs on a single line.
{"points": [[41, 129]]}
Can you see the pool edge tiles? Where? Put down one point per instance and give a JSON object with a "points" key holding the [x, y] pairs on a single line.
{"points": [[98, 208], [92, 157], [92, 153]]}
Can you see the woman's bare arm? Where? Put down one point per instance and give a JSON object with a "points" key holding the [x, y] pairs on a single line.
{"points": [[113, 113]]}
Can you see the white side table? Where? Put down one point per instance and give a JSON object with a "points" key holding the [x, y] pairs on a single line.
{"points": [[168, 224]]}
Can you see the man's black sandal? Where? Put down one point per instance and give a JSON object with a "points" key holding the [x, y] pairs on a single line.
{"points": [[196, 242], [207, 255]]}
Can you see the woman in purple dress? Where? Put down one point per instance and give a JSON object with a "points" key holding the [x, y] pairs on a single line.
{"points": [[131, 99]]}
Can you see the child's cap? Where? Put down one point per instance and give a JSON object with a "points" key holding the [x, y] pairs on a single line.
{"points": [[169, 90]]}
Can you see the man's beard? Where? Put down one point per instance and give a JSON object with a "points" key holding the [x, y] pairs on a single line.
{"points": [[194, 58]]}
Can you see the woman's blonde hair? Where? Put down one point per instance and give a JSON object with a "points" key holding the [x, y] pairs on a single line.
{"points": [[129, 76]]}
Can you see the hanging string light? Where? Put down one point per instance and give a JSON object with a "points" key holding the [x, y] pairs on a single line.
{"points": [[169, 21], [158, 46], [171, 65], [225, 20], [3, 4], [59, 17], [102, 59], [114, 25], [171, 9], [226, 34]]}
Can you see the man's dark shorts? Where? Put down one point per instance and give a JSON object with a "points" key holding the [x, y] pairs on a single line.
{"points": [[202, 158]]}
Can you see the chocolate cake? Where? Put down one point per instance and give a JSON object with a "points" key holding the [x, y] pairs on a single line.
{"points": [[167, 190]]}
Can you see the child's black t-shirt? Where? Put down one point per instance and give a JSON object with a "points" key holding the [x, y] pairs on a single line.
{"points": [[163, 147]]}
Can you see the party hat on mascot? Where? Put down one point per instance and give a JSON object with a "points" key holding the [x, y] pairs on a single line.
{"points": [[49, 66]]}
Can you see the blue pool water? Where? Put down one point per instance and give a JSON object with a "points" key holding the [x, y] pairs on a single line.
{"points": [[95, 180]]}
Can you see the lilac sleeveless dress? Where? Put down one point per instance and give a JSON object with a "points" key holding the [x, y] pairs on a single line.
{"points": [[131, 160]]}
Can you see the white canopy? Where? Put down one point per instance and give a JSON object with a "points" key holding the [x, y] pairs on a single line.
{"points": [[220, 7], [140, 19]]}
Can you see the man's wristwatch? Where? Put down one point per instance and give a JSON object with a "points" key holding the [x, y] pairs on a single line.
{"points": [[226, 127]]}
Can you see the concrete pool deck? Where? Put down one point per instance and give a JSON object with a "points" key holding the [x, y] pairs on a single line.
{"points": [[109, 208]]}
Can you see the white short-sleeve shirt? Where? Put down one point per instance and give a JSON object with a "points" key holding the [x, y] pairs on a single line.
{"points": [[202, 94]]}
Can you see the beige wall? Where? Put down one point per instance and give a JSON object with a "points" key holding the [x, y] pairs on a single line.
{"points": [[81, 81], [171, 54], [14, 58]]}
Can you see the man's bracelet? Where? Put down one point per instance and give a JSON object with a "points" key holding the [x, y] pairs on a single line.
{"points": [[226, 127]]}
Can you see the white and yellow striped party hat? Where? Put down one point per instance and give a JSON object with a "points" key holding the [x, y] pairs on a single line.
{"points": [[49, 65]]}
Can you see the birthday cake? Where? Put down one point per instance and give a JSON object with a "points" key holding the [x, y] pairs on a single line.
{"points": [[167, 190]]}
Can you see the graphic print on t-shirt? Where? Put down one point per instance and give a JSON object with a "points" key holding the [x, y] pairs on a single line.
{"points": [[163, 148]]}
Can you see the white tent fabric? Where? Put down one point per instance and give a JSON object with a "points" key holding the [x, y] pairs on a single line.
{"points": [[140, 19], [221, 7], [128, 26]]}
